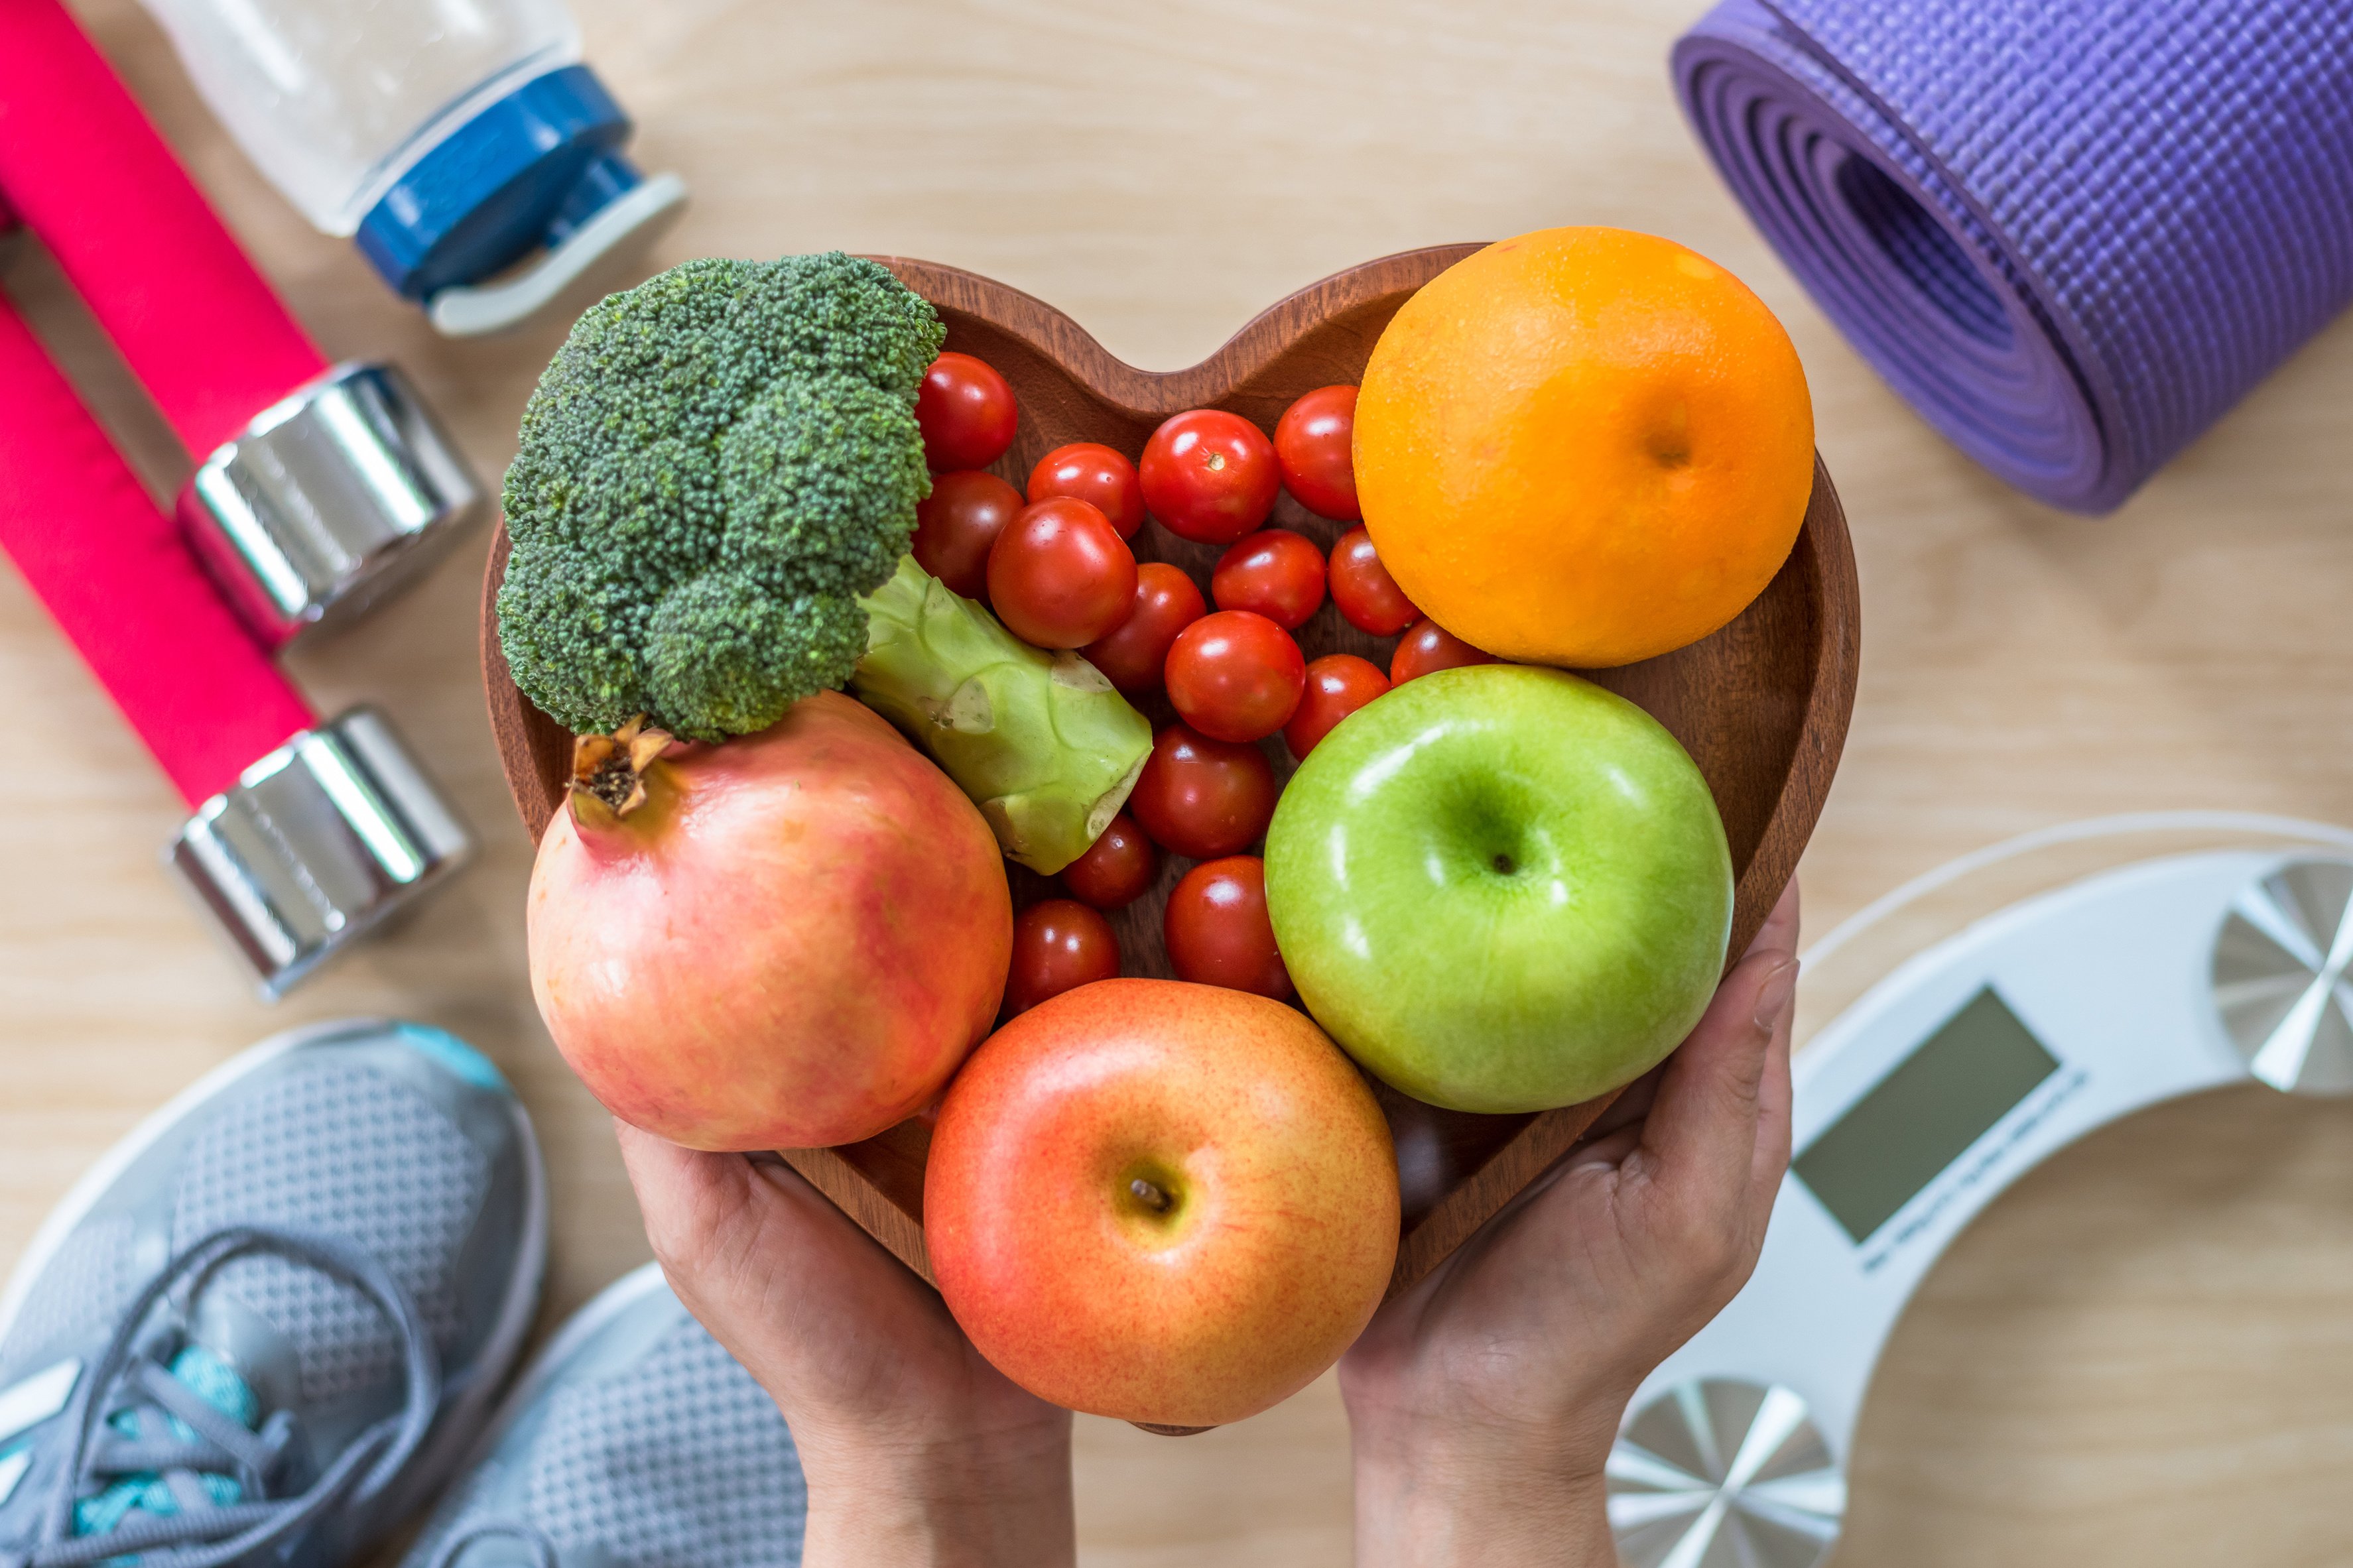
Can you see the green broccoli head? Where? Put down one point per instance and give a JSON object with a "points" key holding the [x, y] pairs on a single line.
{"points": [[716, 466]]}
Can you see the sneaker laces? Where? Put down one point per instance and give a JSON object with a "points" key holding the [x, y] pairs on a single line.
{"points": [[542, 1548], [168, 1466]]}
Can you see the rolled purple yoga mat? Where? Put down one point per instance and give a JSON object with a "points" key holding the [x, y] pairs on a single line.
{"points": [[2072, 233]]}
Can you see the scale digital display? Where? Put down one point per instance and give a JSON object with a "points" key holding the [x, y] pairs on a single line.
{"points": [[1920, 1118]]}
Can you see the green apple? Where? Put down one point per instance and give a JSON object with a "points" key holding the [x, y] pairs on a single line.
{"points": [[1500, 888]]}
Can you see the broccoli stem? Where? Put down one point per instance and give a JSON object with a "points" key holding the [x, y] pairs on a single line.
{"points": [[1041, 740]]}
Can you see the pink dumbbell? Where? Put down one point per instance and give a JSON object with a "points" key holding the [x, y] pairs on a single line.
{"points": [[320, 488]]}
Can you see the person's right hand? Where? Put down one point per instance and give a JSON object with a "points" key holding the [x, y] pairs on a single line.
{"points": [[1483, 1402]]}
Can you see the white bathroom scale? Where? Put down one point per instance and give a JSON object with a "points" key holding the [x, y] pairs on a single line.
{"points": [[1966, 1065]]}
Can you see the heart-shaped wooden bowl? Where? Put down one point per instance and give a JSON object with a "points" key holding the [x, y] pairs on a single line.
{"points": [[1762, 705]]}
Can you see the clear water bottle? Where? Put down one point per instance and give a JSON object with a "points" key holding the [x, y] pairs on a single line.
{"points": [[461, 143]]}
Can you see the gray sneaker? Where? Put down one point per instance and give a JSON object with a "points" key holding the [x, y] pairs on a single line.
{"points": [[264, 1329], [632, 1441]]}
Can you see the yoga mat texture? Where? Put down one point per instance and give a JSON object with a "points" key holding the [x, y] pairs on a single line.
{"points": [[2072, 233]]}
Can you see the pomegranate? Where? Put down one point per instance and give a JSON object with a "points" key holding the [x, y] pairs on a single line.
{"points": [[785, 940]]}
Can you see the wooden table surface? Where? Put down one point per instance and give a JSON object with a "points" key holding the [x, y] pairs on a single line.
{"points": [[2141, 1354]]}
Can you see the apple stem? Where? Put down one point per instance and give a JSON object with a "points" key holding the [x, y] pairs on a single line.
{"points": [[1149, 1195]]}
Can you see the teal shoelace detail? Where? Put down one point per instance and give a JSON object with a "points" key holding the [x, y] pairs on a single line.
{"points": [[148, 1491], [169, 1462]]}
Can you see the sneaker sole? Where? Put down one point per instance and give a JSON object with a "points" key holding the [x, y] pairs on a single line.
{"points": [[439, 1456]]}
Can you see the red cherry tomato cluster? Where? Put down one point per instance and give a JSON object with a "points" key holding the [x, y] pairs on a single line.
{"points": [[1235, 676], [965, 411], [1134, 654], [1209, 476], [1273, 573], [1054, 563], [1060, 576], [1337, 685], [1311, 444], [955, 529], [1059, 946], [1366, 597], [1094, 473], [1429, 647], [1117, 869], [1202, 798], [1216, 930]]}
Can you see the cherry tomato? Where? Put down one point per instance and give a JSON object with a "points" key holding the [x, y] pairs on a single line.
{"points": [[1235, 676], [1116, 868], [1216, 930], [1337, 685], [1133, 654], [1364, 592], [1093, 472], [954, 527], [1058, 945], [1311, 445], [965, 411], [1060, 576], [1430, 646], [1202, 798], [1274, 572], [1208, 475]]}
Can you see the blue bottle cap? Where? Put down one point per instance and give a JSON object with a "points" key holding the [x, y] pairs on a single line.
{"points": [[525, 172]]}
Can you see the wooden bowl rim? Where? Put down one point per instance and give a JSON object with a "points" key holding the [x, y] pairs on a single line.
{"points": [[1254, 347]]}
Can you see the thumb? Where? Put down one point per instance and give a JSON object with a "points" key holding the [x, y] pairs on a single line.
{"points": [[1703, 1127]]}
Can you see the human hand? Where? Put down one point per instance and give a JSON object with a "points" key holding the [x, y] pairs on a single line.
{"points": [[916, 1449], [1483, 1402]]}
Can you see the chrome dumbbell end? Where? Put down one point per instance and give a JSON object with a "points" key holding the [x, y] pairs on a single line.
{"points": [[333, 498], [322, 840]]}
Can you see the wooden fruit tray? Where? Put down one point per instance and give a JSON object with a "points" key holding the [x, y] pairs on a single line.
{"points": [[1762, 705]]}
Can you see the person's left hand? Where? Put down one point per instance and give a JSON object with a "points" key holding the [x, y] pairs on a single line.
{"points": [[916, 1450]]}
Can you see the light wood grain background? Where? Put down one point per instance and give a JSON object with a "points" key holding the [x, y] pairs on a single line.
{"points": [[2143, 1354]]}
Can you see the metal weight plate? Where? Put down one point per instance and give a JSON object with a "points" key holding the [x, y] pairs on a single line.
{"points": [[2279, 976], [1723, 1473]]}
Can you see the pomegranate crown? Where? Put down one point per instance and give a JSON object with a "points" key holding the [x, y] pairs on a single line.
{"points": [[608, 772]]}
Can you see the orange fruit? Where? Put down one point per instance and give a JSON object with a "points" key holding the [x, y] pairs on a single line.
{"points": [[1584, 447]]}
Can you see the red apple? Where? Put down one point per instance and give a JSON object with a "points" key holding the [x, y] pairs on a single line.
{"points": [[1167, 1202], [791, 941]]}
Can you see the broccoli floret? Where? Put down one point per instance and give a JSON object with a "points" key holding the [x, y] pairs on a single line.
{"points": [[716, 466]]}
